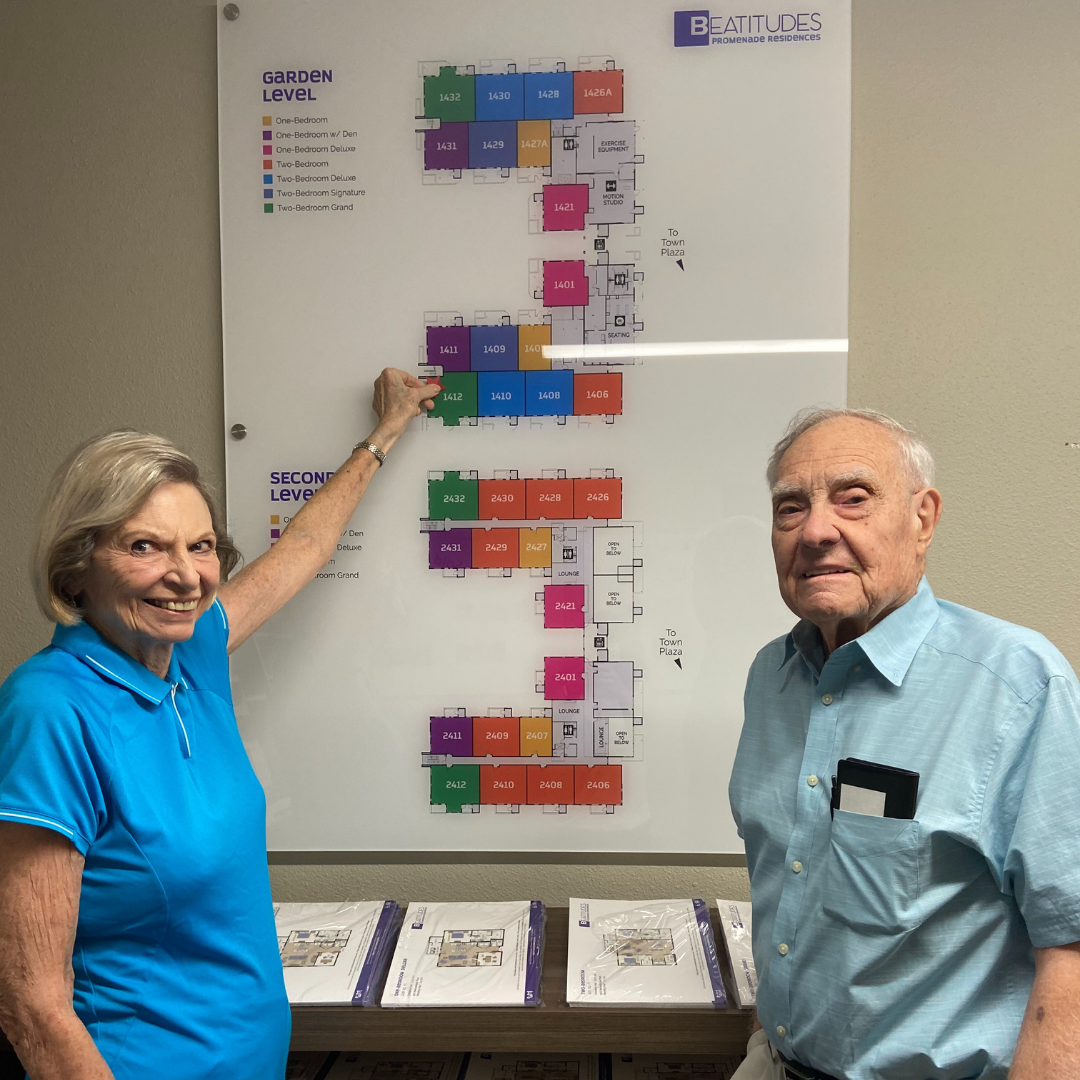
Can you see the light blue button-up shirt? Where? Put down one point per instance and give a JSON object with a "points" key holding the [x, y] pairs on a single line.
{"points": [[903, 950]]}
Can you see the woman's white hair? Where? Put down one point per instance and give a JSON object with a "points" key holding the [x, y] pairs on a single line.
{"points": [[99, 487], [914, 453]]}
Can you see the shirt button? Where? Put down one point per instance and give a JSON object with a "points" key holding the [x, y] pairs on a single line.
{"points": [[826, 699], [781, 1030], [812, 780], [857, 668], [782, 949], [797, 866]]}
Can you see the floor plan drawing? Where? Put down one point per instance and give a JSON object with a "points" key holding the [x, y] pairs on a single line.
{"points": [[689, 1070], [358, 1065], [633, 947], [313, 948], [562, 132], [537, 1069], [568, 535], [468, 948]]}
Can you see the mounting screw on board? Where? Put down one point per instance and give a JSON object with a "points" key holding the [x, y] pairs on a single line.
{"points": [[238, 431], [231, 12]]}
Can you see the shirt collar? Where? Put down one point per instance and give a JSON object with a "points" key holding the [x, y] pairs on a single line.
{"points": [[113, 664], [890, 646], [805, 639]]}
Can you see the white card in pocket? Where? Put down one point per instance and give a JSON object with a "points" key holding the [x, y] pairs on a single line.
{"points": [[860, 800]]}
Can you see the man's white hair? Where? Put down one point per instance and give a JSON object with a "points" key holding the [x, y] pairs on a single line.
{"points": [[914, 453]]}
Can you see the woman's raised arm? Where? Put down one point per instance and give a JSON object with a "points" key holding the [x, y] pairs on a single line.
{"points": [[275, 577]]}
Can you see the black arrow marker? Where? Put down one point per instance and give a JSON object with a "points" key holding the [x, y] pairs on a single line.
{"points": [[678, 660], [678, 263]]}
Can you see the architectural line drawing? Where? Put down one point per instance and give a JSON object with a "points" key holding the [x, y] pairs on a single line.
{"points": [[563, 133], [568, 534], [468, 948], [634, 947], [396, 1069], [313, 948], [533, 1069]]}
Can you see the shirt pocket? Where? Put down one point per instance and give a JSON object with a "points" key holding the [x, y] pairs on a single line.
{"points": [[872, 873]]}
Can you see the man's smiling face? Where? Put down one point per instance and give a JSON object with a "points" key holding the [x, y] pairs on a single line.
{"points": [[849, 533]]}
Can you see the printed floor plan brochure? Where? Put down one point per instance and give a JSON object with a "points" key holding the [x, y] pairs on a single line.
{"points": [[467, 955], [652, 953]]}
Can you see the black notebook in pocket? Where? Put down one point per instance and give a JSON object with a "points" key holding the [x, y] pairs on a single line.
{"points": [[900, 787]]}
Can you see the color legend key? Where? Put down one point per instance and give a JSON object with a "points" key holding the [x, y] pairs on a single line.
{"points": [[267, 157]]}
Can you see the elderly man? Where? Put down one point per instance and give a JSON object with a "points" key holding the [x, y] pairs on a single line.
{"points": [[908, 787]]}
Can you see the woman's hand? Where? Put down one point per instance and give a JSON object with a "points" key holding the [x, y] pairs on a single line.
{"points": [[398, 398]]}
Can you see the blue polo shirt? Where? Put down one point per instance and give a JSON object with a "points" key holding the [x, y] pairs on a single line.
{"points": [[177, 972], [903, 950]]}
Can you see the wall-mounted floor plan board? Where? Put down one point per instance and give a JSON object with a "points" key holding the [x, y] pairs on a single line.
{"points": [[535, 632]]}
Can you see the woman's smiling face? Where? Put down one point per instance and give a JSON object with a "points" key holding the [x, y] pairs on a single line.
{"points": [[151, 578]]}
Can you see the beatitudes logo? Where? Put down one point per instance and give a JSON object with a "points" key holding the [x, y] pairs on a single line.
{"points": [[703, 28], [691, 28]]}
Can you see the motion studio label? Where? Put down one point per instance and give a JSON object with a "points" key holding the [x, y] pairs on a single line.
{"points": [[702, 28]]}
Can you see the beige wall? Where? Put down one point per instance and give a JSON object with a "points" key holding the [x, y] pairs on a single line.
{"points": [[965, 267], [965, 233]]}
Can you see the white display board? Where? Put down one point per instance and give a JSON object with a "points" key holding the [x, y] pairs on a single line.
{"points": [[536, 630]]}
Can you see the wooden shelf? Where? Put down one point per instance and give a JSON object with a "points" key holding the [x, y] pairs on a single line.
{"points": [[550, 1028]]}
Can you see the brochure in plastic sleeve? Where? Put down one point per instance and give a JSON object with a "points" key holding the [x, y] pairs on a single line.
{"points": [[737, 926], [673, 1067], [642, 954], [468, 955], [368, 1065], [538, 1067], [335, 954]]}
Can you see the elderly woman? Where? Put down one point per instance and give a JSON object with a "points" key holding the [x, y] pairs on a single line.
{"points": [[136, 930]]}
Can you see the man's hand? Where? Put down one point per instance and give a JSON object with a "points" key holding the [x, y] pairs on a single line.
{"points": [[1048, 1047]]}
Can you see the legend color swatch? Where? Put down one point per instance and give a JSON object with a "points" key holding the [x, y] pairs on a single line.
{"points": [[268, 165]]}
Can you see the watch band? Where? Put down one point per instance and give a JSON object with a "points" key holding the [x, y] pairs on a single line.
{"points": [[380, 455]]}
